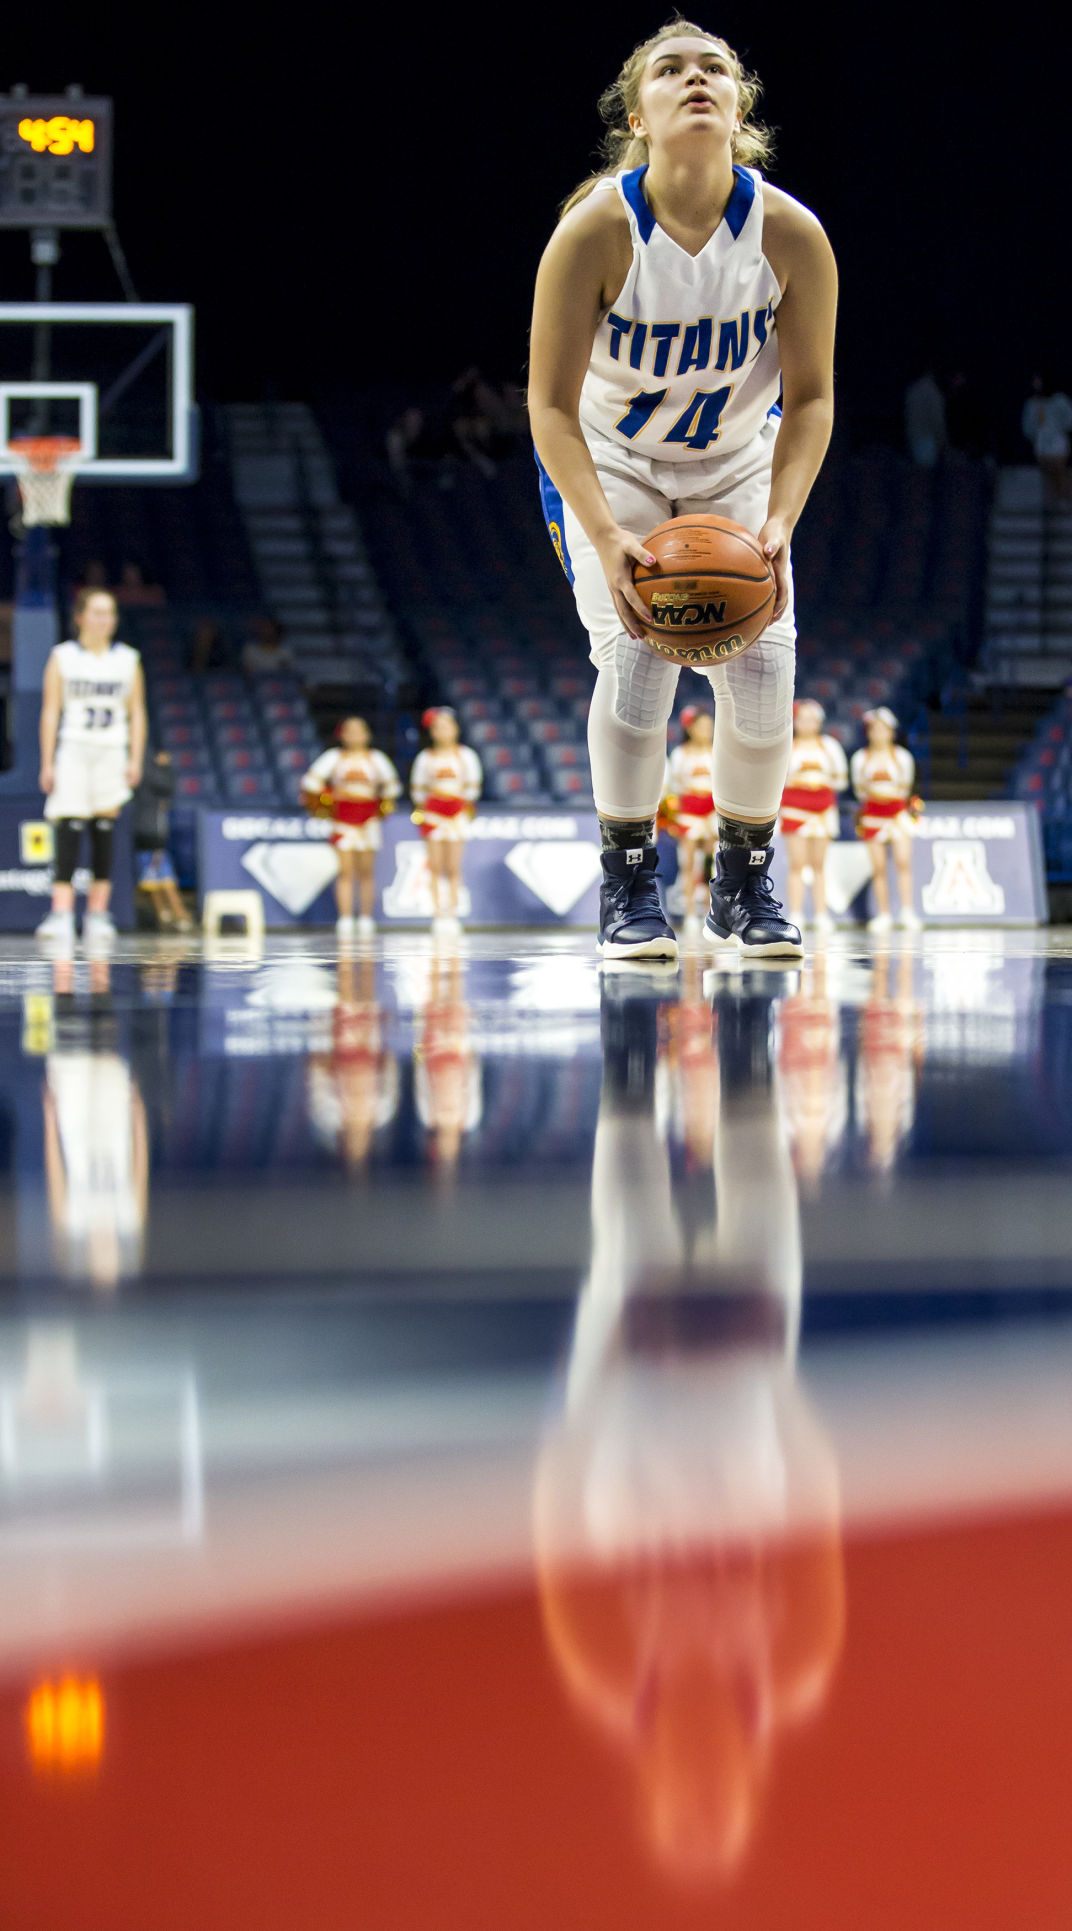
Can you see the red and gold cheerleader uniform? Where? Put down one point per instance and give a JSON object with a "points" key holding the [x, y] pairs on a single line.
{"points": [[882, 778], [360, 783], [817, 772], [445, 785], [688, 784]]}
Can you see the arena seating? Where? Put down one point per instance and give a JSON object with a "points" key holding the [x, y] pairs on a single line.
{"points": [[889, 589]]}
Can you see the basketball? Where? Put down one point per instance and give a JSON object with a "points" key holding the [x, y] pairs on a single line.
{"points": [[711, 591]]}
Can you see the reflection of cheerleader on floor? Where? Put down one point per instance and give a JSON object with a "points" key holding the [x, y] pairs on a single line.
{"points": [[689, 1067], [890, 1053], [447, 1082], [813, 1078], [445, 783], [353, 1090]]}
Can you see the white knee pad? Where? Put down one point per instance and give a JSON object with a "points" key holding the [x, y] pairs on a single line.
{"points": [[753, 729], [627, 721]]}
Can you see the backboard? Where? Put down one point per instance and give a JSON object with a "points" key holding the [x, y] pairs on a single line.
{"points": [[116, 375]]}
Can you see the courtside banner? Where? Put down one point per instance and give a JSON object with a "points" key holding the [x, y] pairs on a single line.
{"points": [[972, 864], [521, 867], [26, 866]]}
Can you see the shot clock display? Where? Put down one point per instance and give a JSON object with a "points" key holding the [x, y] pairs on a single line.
{"points": [[55, 161]]}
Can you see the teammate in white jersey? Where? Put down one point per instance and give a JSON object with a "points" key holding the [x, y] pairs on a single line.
{"points": [[677, 295], [92, 745]]}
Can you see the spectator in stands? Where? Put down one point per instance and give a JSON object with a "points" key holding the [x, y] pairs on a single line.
{"points": [[925, 420], [403, 441], [1047, 422], [154, 870], [94, 576], [473, 424], [132, 590], [265, 654], [208, 650]]}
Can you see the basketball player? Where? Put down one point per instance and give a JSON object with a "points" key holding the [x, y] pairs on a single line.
{"points": [[809, 814], [692, 808], [362, 784], [92, 745], [679, 295], [883, 774], [445, 783]]}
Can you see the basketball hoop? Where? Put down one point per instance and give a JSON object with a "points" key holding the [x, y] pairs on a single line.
{"points": [[44, 470]]}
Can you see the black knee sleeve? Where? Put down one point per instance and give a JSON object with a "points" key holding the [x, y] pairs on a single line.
{"points": [[66, 841], [101, 836]]}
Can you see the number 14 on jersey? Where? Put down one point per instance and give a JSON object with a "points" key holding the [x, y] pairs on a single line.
{"points": [[698, 425]]}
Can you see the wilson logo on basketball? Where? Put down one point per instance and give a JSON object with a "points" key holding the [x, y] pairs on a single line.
{"points": [[699, 655], [676, 610]]}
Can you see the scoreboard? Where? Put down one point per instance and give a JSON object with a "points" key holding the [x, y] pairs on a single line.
{"points": [[55, 161]]}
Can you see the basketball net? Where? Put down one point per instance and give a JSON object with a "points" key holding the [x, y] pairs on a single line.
{"points": [[44, 470]]}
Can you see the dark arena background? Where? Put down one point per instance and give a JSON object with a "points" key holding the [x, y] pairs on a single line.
{"points": [[492, 1435]]}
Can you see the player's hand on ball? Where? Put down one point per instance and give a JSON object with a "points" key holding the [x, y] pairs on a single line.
{"points": [[774, 542], [618, 552], [47, 778]]}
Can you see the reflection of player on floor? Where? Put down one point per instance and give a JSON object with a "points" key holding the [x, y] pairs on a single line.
{"points": [[96, 1138], [883, 774], [355, 785], [687, 1512], [445, 783], [689, 806], [638, 417], [809, 815], [92, 744], [353, 1090]]}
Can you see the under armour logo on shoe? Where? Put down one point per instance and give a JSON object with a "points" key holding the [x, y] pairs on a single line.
{"points": [[758, 855], [636, 856]]}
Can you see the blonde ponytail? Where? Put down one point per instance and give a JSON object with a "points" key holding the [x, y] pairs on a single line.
{"points": [[753, 144]]}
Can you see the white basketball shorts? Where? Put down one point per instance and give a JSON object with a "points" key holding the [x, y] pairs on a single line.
{"points": [[90, 779]]}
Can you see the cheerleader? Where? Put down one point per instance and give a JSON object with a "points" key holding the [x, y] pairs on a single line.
{"points": [[809, 814], [883, 774], [354, 786], [689, 807], [445, 783]]}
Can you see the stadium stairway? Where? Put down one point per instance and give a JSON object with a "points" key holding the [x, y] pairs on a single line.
{"points": [[309, 555], [1029, 584]]}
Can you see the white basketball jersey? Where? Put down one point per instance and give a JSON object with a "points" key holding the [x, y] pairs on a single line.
{"points": [[96, 693], [686, 364]]}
